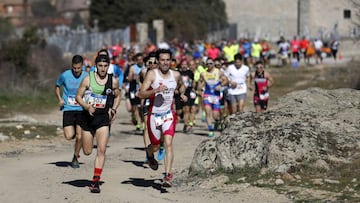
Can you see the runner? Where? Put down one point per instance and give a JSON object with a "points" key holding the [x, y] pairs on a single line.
{"points": [[262, 81], [133, 79], [101, 93], [213, 79], [238, 75], [70, 81], [188, 108], [151, 63], [160, 85], [220, 64]]}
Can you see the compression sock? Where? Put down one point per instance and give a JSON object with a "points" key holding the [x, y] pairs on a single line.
{"points": [[97, 174]]}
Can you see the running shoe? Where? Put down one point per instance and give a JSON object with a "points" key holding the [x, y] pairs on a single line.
{"points": [[75, 162], [166, 181], [133, 120], [153, 164], [161, 153], [95, 186], [189, 129], [138, 127], [211, 134]]}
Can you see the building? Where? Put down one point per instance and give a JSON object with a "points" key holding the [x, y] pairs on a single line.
{"points": [[312, 18], [16, 11]]}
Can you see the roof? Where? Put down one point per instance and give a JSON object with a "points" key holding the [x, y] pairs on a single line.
{"points": [[11, 1]]}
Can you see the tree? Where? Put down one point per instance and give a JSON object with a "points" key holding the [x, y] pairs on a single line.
{"points": [[6, 29], [43, 8], [188, 19]]}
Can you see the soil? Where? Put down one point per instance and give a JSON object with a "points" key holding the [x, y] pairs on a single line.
{"points": [[38, 170]]}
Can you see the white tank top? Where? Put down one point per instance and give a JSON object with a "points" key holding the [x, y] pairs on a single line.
{"points": [[162, 102]]}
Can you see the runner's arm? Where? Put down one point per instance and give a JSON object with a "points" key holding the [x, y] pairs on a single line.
{"points": [[144, 91], [181, 86], [270, 79], [81, 91], [58, 96]]}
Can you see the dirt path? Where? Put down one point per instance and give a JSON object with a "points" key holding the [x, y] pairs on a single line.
{"points": [[39, 171]]}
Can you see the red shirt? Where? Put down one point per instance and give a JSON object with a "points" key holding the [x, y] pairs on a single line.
{"points": [[213, 53]]}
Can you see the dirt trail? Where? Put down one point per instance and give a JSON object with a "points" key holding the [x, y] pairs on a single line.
{"points": [[39, 171]]}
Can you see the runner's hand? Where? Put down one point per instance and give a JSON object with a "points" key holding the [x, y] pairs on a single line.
{"points": [[61, 103], [183, 98]]}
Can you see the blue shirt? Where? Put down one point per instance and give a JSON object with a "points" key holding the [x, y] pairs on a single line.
{"points": [[71, 84]]}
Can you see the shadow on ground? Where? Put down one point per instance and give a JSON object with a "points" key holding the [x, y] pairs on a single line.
{"points": [[80, 183], [140, 182], [62, 163]]}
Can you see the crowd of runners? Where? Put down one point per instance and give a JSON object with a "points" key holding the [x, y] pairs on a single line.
{"points": [[164, 87]]}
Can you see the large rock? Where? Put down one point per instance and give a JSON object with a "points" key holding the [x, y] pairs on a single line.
{"points": [[312, 124]]}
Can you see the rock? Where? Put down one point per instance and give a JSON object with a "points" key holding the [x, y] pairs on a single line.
{"points": [[242, 179], [317, 181], [287, 176], [19, 127], [3, 137], [279, 181], [313, 125], [331, 181], [321, 164], [27, 132]]}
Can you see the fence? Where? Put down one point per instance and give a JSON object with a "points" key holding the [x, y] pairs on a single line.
{"points": [[77, 43]]}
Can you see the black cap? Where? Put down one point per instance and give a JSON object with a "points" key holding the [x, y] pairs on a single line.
{"points": [[102, 58]]}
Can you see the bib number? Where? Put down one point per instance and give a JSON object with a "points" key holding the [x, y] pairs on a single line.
{"points": [[240, 86], [192, 95], [213, 99], [264, 96], [97, 101], [132, 95], [72, 101], [161, 119]]}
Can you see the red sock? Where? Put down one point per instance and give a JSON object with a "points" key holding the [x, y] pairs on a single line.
{"points": [[97, 174]]}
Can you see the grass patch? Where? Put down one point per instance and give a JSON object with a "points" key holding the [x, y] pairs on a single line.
{"points": [[35, 102], [30, 131]]}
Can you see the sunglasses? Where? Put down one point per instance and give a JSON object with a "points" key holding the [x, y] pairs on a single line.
{"points": [[210, 63], [150, 62], [217, 64]]}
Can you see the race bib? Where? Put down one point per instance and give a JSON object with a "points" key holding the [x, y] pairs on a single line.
{"points": [[240, 86], [264, 96], [213, 99], [97, 101], [147, 102], [192, 95], [72, 101], [161, 119], [132, 95]]}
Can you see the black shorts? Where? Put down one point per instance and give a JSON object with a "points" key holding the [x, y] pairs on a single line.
{"points": [[135, 101], [190, 101], [71, 118], [92, 123], [179, 104], [146, 106], [258, 102]]}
